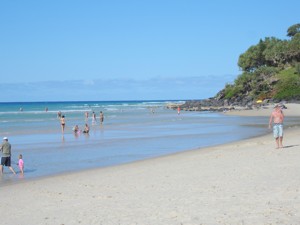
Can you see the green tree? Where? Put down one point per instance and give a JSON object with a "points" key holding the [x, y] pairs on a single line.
{"points": [[271, 69], [298, 68], [293, 30], [293, 49], [275, 53], [252, 58], [288, 86]]}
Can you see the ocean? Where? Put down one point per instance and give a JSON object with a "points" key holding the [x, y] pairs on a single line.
{"points": [[131, 131]]}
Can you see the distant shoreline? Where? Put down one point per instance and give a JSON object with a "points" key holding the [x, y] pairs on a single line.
{"points": [[293, 109], [92, 101]]}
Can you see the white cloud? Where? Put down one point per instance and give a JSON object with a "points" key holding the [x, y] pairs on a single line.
{"points": [[88, 82], [159, 88]]}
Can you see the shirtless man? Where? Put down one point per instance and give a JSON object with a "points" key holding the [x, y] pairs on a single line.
{"points": [[276, 119]]}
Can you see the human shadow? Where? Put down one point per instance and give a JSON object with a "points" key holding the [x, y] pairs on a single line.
{"points": [[290, 146]]}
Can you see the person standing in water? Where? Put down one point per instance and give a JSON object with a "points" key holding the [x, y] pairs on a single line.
{"points": [[101, 117], [6, 155], [94, 118], [62, 123], [86, 114], [59, 114], [21, 163]]}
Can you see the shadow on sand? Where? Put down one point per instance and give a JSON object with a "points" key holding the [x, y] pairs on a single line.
{"points": [[290, 146]]}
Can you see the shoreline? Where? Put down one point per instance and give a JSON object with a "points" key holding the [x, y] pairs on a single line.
{"points": [[202, 149], [22, 180], [242, 182], [247, 181], [132, 163], [141, 161], [46, 154]]}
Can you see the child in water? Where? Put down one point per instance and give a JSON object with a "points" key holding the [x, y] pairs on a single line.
{"points": [[76, 129], [86, 129], [21, 164]]}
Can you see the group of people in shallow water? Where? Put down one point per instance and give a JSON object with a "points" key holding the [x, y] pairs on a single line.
{"points": [[276, 119], [86, 129], [76, 129], [5, 147]]}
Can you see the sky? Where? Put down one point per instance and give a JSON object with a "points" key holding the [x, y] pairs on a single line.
{"points": [[92, 50]]}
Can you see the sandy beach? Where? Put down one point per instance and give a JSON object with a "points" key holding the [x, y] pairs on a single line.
{"points": [[293, 109], [245, 182]]}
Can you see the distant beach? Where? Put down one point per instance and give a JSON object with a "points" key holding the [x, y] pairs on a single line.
{"points": [[293, 110]]}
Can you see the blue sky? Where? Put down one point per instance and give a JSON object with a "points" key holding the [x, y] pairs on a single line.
{"points": [[130, 50]]}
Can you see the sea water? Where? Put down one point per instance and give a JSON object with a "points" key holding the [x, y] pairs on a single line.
{"points": [[131, 131]]}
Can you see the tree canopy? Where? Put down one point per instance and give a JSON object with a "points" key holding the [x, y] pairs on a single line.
{"points": [[271, 69], [293, 30], [272, 52]]}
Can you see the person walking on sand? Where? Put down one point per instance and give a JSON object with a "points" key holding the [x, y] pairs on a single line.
{"points": [[21, 163], [6, 155], [62, 123], [276, 119]]}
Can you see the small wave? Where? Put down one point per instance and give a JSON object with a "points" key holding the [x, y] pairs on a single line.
{"points": [[78, 106], [112, 109]]}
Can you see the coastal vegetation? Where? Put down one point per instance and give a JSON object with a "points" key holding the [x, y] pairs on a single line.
{"points": [[270, 70], [270, 73]]}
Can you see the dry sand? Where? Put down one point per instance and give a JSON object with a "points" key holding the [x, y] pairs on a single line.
{"points": [[246, 182], [292, 110]]}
